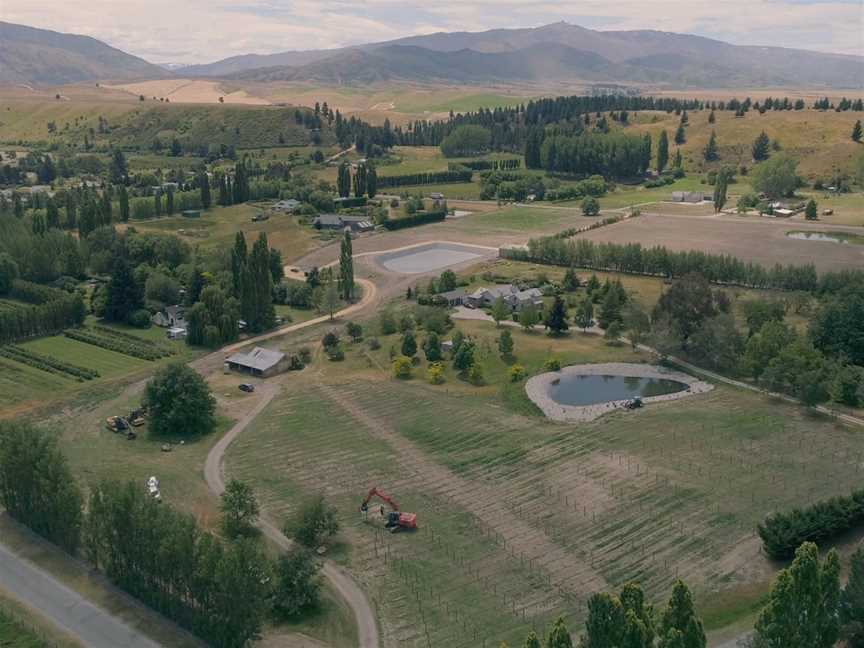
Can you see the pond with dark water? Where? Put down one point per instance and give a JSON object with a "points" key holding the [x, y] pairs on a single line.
{"points": [[579, 390]]}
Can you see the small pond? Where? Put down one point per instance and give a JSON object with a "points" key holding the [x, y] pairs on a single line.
{"points": [[829, 237], [579, 390]]}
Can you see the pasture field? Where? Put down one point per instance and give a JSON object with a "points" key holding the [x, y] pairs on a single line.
{"points": [[218, 226], [522, 519], [27, 120]]}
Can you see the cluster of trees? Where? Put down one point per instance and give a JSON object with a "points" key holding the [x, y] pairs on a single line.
{"points": [[49, 310], [365, 181], [426, 178], [616, 155], [629, 620], [253, 274]]}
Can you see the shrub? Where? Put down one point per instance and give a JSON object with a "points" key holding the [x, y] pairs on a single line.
{"points": [[402, 367], [475, 374], [313, 522], [374, 344], [140, 318], [590, 206], [305, 354], [552, 364], [517, 373], [435, 373]]}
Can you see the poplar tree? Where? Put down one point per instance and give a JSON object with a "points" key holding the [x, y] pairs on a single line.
{"points": [[52, 215], [124, 204], [360, 181], [371, 180], [584, 315], [852, 602], [204, 183], [71, 211], [678, 162], [36, 486], [662, 151], [679, 625], [239, 256], [802, 608], [169, 202], [257, 288], [346, 268], [680, 135], [343, 180], [720, 186]]}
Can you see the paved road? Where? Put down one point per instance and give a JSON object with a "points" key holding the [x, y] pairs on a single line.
{"points": [[65, 608]]}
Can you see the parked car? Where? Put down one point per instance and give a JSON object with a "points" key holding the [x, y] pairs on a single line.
{"points": [[246, 387]]}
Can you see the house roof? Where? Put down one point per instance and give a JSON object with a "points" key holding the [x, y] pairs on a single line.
{"points": [[257, 358], [288, 203], [453, 294]]}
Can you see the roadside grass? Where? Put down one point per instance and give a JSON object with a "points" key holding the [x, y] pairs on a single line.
{"points": [[21, 627], [674, 490]]}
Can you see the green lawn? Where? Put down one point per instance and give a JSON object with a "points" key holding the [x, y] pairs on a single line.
{"points": [[23, 387], [219, 225], [530, 220]]}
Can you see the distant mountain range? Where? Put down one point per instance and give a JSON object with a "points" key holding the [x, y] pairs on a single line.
{"points": [[554, 53], [30, 55], [557, 53]]}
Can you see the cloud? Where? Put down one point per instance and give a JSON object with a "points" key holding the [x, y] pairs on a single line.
{"points": [[194, 31]]}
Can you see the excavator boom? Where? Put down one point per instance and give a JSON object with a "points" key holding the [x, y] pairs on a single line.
{"points": [[395, 520]]}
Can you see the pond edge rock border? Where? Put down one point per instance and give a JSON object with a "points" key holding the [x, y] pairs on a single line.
{"points": [[538, 386]]}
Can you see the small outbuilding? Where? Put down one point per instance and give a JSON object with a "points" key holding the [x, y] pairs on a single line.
{"points": [[288, 206], [340, 222], [259, 362], [687, 196]]}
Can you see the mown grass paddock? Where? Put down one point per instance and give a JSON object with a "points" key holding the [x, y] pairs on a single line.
{"points": [[522, 519]]}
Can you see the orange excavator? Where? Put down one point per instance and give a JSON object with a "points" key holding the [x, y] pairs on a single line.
{"points": [[396, 520]]}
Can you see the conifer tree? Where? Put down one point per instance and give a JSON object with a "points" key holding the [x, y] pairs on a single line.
{"points": [[721, 185], [584, 315], [678, 162], [856, 131], [505, 344], [811, 212], [52, 215], [761, 148], [559, 636], [556, 320], [710, 152], [239, 255], [711, 117], [680, 135]]}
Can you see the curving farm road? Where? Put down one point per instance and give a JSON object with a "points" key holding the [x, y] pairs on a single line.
{"points": [[339, 579]]}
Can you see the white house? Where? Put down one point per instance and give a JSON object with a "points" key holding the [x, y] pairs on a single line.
{"points": [[170, 317]]}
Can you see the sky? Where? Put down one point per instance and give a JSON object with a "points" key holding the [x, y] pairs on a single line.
{"points": [[201, 31]]}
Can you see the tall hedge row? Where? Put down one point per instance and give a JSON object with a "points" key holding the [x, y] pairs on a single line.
{"points": [[50, 311], [783, 533], [433, 177], [420, 218]]}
